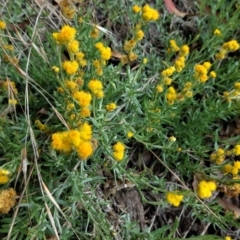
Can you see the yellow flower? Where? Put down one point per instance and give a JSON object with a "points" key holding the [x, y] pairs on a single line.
{"points": [[118, 151], [172, 139], [111, 107], [85, 112], [149, 14], [168, 72], [207, 65], [227, 168], [184, 51], [227, 238], [71, 85], [167, 81], [237, 86], [2, 25], [12, 101], [73, 46], [70, 67], [171, 95], [174, 198], [94, 33], [136, 9], [7, 200], [205, 188], [96, 87], [83, 98], [61, 142], [85, 131], [4, 176], [105, 52], [236, 164], [159, 88], [218, 156], [231, 46], [130, 134], [217, 32], [129, 45], [85, 150], [74, 137], [139, 35], [40, 125], [213, 74], [179, 64], [66, 35], [236, 150], [55, 69], [173, 46]]}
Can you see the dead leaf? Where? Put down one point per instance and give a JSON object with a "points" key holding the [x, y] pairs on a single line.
{"points": [[116, 54], [172, 9], [228, 206]]}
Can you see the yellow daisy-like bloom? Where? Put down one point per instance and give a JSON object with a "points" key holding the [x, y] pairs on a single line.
{"points": [[73, 46], [179, 64], [66, 35], [2, 25], [174, 198], [7, 200], [83, 98], [85, 150], [136, 9], [227, 238], [4, 176], [70, 67], [105, 52], [71, 85], [111, 107], [95, 87], [207, 65]]}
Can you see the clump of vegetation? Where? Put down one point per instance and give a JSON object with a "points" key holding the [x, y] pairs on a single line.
{"points": [[99, 131]]}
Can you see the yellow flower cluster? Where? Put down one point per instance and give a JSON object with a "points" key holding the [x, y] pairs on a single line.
{"points": [[111, 107], [171, 95], [149, 14], [77, 139], [65, 36], [232, 168], [4, 176], [84, 100], [206, 188], [186, 92], [118, 151], [230, 46], [173, 46], [96, 88], [105, 52], [201, 71], [67, 9], [174, 198], [233, 94], [236, 150], [2, 25], [70, 67], [218, 156], [40, 125], [7, 200]]}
